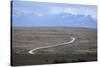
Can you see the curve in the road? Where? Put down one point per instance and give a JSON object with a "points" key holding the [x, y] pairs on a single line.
{"points": [[71, 41]]}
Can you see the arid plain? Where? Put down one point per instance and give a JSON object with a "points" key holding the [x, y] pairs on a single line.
{"points": [[24, 39]]}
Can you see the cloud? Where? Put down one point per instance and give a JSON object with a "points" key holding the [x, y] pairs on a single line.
{"points": [[22, 11], [70, 10], [40, 14], [18, 12], [57, 10], [52, 10], [75, 11]]}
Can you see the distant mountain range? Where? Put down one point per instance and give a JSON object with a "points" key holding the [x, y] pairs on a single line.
{"points": [[61, 19]]}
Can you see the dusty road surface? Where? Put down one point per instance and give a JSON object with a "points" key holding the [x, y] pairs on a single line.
{"points": [[66, 43], [36, 45]]}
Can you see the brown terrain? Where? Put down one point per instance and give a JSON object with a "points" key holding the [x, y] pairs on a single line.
{"points": [[24, 39]]}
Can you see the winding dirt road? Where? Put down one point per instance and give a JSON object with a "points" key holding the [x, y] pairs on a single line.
{"points": [[71, 41]]}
